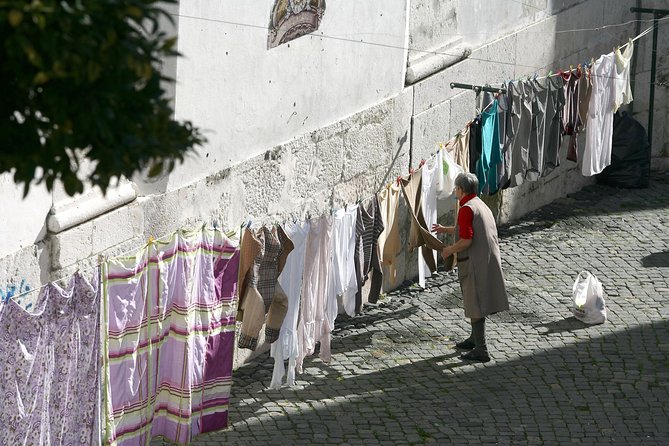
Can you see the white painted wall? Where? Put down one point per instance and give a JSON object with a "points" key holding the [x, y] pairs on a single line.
{"points": [[24, 221], [248, 98], [483, 21], [436, 25], [432, 25]]}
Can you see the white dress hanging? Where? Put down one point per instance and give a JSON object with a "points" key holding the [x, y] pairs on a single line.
{"points": [[286, 347]]}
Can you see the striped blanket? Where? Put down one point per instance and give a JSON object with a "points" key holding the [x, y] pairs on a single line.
{"points": [[169, 313]]}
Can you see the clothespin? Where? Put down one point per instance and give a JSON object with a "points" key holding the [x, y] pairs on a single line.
{"points": [[571, 68], [535, 76], [422, 163], [151, 240], [550, 73]]}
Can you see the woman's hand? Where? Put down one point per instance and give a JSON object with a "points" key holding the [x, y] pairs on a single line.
{"points": [[446, 252], [439, 229]]}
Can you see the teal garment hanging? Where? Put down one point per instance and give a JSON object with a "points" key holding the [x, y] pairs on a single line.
{"points": [[486, 167]]}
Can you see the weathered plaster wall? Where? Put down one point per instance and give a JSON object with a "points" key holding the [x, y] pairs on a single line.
{"points": [[432, 25], [24, 221], [248, 98], [440, 31]]}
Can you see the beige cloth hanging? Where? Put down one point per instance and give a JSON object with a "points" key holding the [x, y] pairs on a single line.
{"points": [[419, 234], [390, 244]]}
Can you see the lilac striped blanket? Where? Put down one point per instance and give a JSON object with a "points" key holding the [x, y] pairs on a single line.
{"points": [[169, 338]]}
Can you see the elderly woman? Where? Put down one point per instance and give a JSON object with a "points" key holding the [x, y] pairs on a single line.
{"points": [[479, 264]]}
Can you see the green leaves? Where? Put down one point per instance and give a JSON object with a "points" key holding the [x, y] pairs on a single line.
{"points": [[15, 17], [83, 75]]}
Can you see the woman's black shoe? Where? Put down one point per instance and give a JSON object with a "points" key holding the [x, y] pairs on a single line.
{"points": [[467, 344], [476, 355]]}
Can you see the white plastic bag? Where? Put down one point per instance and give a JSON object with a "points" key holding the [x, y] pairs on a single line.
{"points": [[588, 296], [450, 169]]}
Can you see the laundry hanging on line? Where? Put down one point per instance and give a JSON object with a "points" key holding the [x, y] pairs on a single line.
{"points": [[518, 136], [50, 366], [169, 337]]}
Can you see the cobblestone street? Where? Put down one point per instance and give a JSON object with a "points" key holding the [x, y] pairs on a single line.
{"points": [[395, 377]]}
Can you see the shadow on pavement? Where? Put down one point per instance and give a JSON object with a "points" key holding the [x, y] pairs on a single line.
{"points": [[346, 323], [656, 260], [595, 199], [606, 389], [567, 324]]}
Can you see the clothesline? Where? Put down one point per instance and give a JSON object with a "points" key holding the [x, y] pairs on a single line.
{"points": [[555, 74], [360, 41], [643, 33], [441, 53], [162, 239], [558, 73], [365, 200]]}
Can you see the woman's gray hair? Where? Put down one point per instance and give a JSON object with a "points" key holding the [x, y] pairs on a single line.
{"points": [[467, 182]]}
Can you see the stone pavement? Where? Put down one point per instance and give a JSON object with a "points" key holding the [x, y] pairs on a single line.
{"points": [[396, 379]]}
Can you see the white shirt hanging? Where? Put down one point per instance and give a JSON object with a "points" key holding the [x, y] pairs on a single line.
{"points": [[622, 83], [599, 136], [430, 181]]}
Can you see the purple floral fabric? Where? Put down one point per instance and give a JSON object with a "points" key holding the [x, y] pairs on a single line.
{"points": [[50, 365]]}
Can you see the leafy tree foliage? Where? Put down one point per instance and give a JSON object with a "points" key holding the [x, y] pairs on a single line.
{"points": [[79, 79]]}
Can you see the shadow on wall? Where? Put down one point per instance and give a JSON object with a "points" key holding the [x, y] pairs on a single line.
{"points": [[609, 385]]}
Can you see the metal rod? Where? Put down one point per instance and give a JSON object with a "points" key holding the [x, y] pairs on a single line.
{"points": [[650, 11], [635, 57], [657, 14], [478, 88], [653, 69]]}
